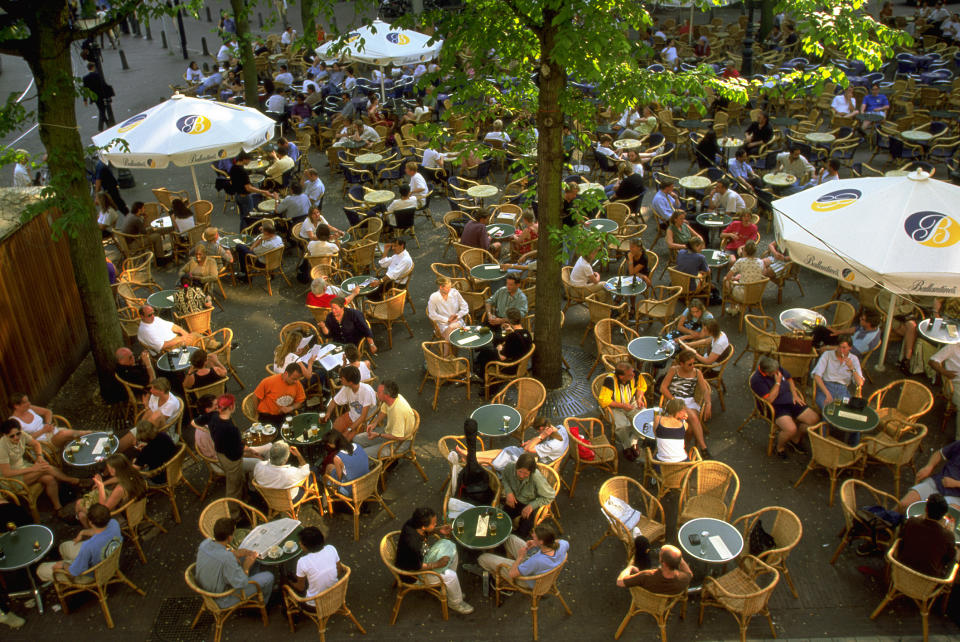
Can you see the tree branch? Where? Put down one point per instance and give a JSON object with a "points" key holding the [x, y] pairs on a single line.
{"points": [[112, 20], [523, 17]]}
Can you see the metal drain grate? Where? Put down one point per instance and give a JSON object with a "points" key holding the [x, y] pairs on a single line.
{"points": [[173, 621], [574, 399]]}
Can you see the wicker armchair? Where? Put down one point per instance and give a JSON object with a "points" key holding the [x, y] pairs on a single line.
{"points": [[855, 494], [833, 456], [798, 364], [134, 397], [499, 372], [28, 493], [839, 314], [104, 574], [762, 338], [662, 307], [911, 400], [220, 614], [530, 397], [279, 502], [139, 269], [495, 485], [392, 451], [752, 297], [359, 257], [895, 452], [442, 369], [594, 439], [791, 272], [922, 589], [322, 606], [272, 262], [744, 592], [603, 333], [222, 508], [409, 581], [652, 521], [549, 511], [134, 513], [600, 310], [451, 442], [543, 584], [713, 373], [668, 476], [575, 294], [174, 477], [684, 281], [708, 489], [388, 312], [362, 489], [656, 604], [762, 410], [223, 336], [786, 529]]}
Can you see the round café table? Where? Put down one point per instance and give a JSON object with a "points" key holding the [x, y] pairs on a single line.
{"points": [[947, 331], [487, 272], [241, 533], [79, 455], [176, 361], [779, 179], [892, 173], [482, 191], [625, 286], [643, 422], [627, 143], [651, 349], [713, 221], [471, 337], [728, 142], [17, 551], [267, 206], [349, 284], [368, 159], [919, 509], [259, 434], [848, 424], [820, 138], [870, 117], [692, 124], [710, 553], [501, 230], [257, 165], [801, 320], [162, 300], [298, 434], [715, 258], [379, 196], [231, 241], [604, 225], [464, 528], [490, 419], [162, 223], [349, 143], [695, 182], [917, 135], [948, 115]]}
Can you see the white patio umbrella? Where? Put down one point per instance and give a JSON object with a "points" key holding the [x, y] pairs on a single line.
{"points": [[381, 45], [186, 132], [900, 233]]}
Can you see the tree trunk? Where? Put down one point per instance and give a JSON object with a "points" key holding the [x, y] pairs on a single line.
{"points": [[768, 10], [549, 356], [308, 22], [49, 60], [241, 11]]}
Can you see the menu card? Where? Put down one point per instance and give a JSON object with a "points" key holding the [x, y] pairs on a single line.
{"points": [[100, 445], [717, 542], [483, 525], [851, 415]]}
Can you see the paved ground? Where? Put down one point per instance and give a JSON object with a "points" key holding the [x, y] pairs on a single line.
{"points": [[834, 602]]}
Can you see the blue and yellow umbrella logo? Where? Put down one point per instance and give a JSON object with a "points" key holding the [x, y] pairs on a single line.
{"points": [[151, 163], [848, 274], [193, 124], [131, 123], [398, 38], [933, 229], [835, 200]]}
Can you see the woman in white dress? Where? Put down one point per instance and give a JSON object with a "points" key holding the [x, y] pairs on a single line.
{"points": [[38, 422]]}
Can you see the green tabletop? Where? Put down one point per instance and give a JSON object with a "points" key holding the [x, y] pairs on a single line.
{"points": [[231, 241], [501, 230], [870, 116], [172, 361], [464, 528], [784, 121], [79, 452], [856, 420], [17, 547], [692, 124], [490, 419], [604, 129], [949, 115], [651, 349], [464, 337], [297, 433], [919, 509], [162, 300], [347, 286], [712, 219], [241, 533], [625, 285], [604, 225], [706, 550], [715, 258], [487, 272]]}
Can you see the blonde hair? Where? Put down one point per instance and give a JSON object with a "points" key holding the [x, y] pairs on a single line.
{"points": [[209, 234], [442, 280], [289, 345], [497, 125]]}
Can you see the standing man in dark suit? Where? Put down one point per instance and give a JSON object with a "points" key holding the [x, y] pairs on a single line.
{"points": [[103, 94]]}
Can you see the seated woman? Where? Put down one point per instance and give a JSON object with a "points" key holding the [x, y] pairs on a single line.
{"points": [[123, 484], [682, 382], [205, 369], [496, 133], [107, 213], [679, 233], [690, 324], [670, 429], [182, 216], [200, 268], [349, 461], [37, 422], [636, 262], [158, 448], [160, 406], [549, 444], [290, 351], [321, 293], [527, 234], [314, 220], [746, 270], [13, 444], [351, 357], [347, 325], [718, 341], [510, 345]]}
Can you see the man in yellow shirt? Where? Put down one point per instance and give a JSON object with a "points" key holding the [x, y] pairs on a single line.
{"points": [[401, 420], [280, 165], [622, 395]]}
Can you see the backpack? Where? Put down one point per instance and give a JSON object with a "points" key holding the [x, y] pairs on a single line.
{"points": [[585, 453]]}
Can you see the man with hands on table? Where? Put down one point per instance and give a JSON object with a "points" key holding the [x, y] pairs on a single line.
{"points": [[358, 397], [540, 554], [398, 264], [509, 296], [159, 335], [446, 307], [526, 490], [279, 395], [220, 567]]}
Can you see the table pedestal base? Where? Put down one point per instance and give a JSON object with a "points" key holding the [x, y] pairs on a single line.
{"points": [[34, 591]]}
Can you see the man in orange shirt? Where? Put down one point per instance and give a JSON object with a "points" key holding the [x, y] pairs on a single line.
{"points": [[279, 395]]}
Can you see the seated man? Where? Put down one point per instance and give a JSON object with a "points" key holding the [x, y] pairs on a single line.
{"points": [[509, 296], [794, 163], [583, 276], [160, 404], [722, 197], [446, 307], [737, 234], [13, 445], [321, 244], [525, 490], [672, 577], [401, 419], [513, 343], [791, 415], [77, 557], [267, 241], [549, 444], [835, 371], [875, 103], [413, 554], [279, 395], [475, 234], [405, 202], [282, 163], [159, 335], [844, 104], [622, 395], [946, 482], [399, 266], [358, 397], [296, 206], [137, 374], [865, 335], [926, 545], [220, 567], [317, 568], [277, 473], [946, 362], [538, 555], [664, 203]]}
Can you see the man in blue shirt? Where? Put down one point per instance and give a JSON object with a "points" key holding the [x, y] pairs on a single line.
{"points": [[665, 201], [875, 103], [864, 335], [220, 568], [740, 169], [946, 482], [791, 414], [541, 554], [79, 557]]}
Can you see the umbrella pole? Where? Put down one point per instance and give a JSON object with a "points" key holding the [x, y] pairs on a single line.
{"points": [[383, 93], [690, 33], [196, 186], [886, 332]]}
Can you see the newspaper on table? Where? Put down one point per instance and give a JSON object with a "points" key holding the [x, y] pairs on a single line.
{"points": [[330, 356], [170, 298], [311, 353], [262, 538], [100, 445], [473, 338]]}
